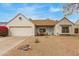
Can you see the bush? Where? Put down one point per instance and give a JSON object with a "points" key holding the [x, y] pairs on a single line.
{"points": [[37, 41], [3, 31]]}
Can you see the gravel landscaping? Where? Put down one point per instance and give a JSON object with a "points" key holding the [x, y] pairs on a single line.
{"points": [[48, 46]]}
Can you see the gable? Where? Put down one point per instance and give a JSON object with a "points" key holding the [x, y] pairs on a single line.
{"points": [[65, 21], [20, 20]]}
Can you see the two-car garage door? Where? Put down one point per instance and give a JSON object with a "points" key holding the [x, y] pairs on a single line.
{"points": [[21, 31]]}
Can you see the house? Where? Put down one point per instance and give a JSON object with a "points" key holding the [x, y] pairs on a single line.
{"points": [[23, 26]]}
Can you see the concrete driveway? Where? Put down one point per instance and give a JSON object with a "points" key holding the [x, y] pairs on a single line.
{"points": [[7, 43]]}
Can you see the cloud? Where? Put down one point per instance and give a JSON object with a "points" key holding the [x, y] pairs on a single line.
{"points": [[40, 16], [33, 11], [29, 10], [26, 9], [6, 4], [52, 9]]}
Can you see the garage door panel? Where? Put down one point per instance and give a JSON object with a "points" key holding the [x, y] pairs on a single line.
{"points": [[21, 31]]}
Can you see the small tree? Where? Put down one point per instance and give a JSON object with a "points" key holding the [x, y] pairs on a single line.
{"points": [[36, 40], [70, 8]]}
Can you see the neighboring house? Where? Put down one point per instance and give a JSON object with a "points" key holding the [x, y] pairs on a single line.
{"points": [[23, 26], [76, 29], [3, 23]]}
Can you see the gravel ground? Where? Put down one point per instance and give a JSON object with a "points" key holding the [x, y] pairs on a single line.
{"points": [[48, 46]]}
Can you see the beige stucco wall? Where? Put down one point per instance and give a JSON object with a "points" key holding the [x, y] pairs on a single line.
{"points": [[17, 22], [58, 28], [25, 22], [77, 24]]}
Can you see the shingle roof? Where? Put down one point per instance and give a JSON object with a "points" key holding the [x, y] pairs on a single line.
{"points": [[44, 22]]}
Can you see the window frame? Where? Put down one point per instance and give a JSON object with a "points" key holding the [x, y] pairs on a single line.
{"points": [[42, 30], [65, 29]]}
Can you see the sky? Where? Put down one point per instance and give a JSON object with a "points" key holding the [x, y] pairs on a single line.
{"points": [[34, 11]]}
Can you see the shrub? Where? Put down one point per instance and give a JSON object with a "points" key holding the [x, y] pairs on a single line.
{"points": [[37, 41], [3, 31]]}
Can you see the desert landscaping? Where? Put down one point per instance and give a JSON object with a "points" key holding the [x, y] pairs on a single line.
{"points": [[47, 46]]}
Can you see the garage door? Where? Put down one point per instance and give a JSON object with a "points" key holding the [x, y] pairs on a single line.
{"points": [[21, 31]]}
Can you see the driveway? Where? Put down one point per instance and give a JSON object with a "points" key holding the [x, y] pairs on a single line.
{"points": [[7, 43]]}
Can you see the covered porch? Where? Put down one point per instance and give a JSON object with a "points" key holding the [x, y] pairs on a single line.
{"points": [[44, 27], [44, 30]]}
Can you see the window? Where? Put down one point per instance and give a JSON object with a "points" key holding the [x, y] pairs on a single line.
{"points": [[20, 18], [65, 29], [76, 30], [42, 30]]}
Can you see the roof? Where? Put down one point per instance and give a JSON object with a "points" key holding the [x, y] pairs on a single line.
{"points": [[3, 23], [44, 22], [66, 19]]}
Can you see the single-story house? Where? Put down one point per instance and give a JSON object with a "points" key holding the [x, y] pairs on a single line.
{"points": [[23, 26]]}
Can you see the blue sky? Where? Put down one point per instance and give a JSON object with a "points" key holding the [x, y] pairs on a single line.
{"points": [[34, 10]]}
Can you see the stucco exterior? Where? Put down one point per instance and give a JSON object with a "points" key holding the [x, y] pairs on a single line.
{"points": [[64, 21], [21, 27], [77, 24]]}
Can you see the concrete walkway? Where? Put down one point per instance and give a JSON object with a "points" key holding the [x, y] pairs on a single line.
{"points": [[7, 43]]}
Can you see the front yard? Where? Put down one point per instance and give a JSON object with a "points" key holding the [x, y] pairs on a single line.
{"points": [[48, 46]]}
